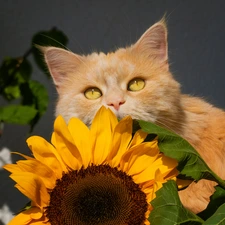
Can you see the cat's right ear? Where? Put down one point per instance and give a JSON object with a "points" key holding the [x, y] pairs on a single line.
{"points": [[153, 43], [61, 63]]}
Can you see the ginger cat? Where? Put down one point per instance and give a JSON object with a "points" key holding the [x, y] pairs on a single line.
{"points": [[137, 81]]}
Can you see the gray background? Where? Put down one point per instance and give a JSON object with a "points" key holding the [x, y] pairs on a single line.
{"points": [[196, 49]]}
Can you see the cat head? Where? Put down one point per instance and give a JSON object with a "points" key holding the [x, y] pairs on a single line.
{"points": [[132, 81]]}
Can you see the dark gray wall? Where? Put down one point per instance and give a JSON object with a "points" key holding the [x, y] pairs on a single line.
{"points": [[196, 50]]}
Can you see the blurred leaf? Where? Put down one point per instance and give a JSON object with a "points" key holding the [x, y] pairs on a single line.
{"points": [[53, 37], [17, 114], [218, 218], [6, 70], [23, 73], [41, 96], [190, 164], [15, 83], [27, 95], [168, 210], [35, 95], [12, 92], [13, 72], [216, 200]]}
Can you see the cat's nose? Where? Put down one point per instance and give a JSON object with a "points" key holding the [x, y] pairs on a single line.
{"points": [[116, 104]]}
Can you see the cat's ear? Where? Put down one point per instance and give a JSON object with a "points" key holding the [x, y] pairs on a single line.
{"points": [[153, 43], [61, 63]]}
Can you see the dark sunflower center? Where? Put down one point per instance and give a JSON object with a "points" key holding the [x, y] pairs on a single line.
{"points": [[98, 195]]}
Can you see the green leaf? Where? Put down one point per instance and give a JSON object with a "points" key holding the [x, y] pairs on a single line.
{"points": [[17, 114], [53, 37], [216, 200], [41, 96], [13, 72], [35, 95], [190, 164], [12, 92], [218, 217], [168, 210], [23, 73]]}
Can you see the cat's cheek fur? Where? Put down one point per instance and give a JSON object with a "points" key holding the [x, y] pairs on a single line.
{"points": [[77, 106]]}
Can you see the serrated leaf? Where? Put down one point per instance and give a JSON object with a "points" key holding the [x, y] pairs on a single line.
{"points": [[218, 218], [53, 37], [168, 210], [190, 164], [17, 114]]}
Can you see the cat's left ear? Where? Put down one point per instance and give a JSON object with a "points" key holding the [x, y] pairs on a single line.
{"points": [[61, 64], [153, 43]]}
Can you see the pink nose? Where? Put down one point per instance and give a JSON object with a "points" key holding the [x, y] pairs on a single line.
{"points": [[116, 104]]}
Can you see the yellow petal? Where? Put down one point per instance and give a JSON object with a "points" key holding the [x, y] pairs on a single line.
{"points": [[163, 164], [24, 156], [101, 134], [156, 187], [12, 168], [140, 157], [168, 166], [21, 219], [148, 190], [45, 173], [138, 138], [32, 187], [146, 221], [63, 142], [112, 117], [36, 213], [47, 154], [148, 173], [151, 187], [32, 216], [81, 137], [40, 223], [170, 174], [121, 139], [146, 186]]}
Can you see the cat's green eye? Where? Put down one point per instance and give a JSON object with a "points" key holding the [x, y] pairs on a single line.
{"points": [[92, 93], [136, 84]]}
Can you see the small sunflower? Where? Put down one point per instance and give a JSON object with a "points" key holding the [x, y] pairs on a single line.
{"points": [[97, 176]]}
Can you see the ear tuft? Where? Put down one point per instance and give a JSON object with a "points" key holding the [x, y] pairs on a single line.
{"points": [[153, 43]]}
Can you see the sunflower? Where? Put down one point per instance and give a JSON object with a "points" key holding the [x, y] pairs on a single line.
{"points": [[102, 175]]}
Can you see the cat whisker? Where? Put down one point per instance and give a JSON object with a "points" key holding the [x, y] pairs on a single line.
{"points": [[165, 126], [164, 122], [53, 39]]}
